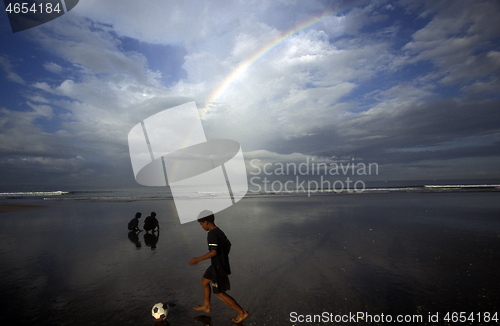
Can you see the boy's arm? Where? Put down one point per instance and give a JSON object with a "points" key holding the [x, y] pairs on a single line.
{"points": [[208, 255]]}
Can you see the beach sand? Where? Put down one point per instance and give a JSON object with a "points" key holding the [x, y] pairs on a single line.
{"points": [[75, 263], [15, 208]]}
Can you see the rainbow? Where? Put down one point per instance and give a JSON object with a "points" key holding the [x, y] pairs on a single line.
{"points": [[244, 65]]}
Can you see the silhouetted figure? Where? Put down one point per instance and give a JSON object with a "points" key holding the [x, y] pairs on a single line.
{"points": [[151, 223], [133, 225]]}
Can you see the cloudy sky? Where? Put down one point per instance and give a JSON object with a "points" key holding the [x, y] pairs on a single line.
{"points": [[410, 85]]}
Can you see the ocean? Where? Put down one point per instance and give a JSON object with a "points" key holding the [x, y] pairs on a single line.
{"points": [[423, 254], [260, 190]]}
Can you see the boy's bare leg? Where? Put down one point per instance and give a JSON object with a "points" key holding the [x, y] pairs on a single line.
{"points": [[242, 313], [205, 283]]}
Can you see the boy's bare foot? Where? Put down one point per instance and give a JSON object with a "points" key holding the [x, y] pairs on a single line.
{"points": [[202, 308], [240, 317]]}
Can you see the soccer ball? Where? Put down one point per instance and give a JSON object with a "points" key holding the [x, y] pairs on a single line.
{"points": [[160, 311]]}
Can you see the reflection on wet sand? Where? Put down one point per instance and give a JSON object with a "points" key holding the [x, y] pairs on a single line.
{"points": [[390, 253]]}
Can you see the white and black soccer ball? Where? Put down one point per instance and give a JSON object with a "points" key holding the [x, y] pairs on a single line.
{"points": [[160, 311]]}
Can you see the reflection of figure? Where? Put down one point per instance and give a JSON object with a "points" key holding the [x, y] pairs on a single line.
{"points": [[132, 235], [150, 239], [133, 225], [205, 320], [161, 323], [151, 223], [217, 273]]}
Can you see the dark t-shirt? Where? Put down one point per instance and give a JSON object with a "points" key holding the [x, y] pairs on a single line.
{"points": [[150, 223], [217, 240], [134, 223]]}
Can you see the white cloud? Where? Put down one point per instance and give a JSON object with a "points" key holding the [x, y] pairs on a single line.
{"points": [[195, 24], [92, 49], [53, 67], [165, 22], [21, 135], [260, 160], [483, 88], [294, 90], [6, 66], [42, 110], [456, 39]]}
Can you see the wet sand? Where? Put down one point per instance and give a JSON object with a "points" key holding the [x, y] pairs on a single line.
{"points": [[75, 263], [19, 207]]}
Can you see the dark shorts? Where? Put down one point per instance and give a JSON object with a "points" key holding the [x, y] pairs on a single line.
{"points": [[220, 284]]}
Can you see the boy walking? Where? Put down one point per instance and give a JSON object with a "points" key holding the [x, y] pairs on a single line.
{"points": [[217, 273]]}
